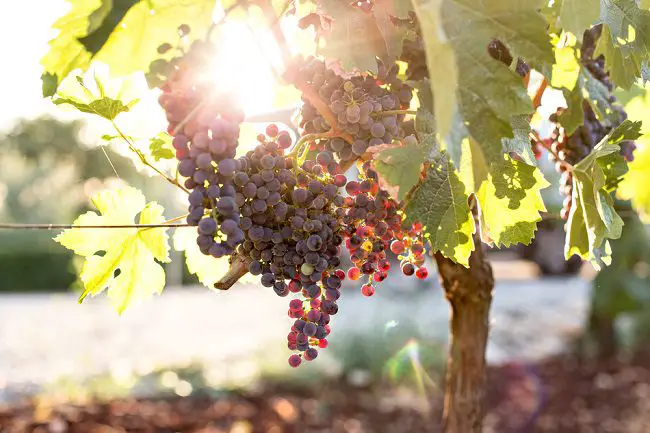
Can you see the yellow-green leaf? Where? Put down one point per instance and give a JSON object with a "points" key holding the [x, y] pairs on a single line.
{"points": [[129, 252], [566, 68], [161, 146], [128, 45], [511, 202]]}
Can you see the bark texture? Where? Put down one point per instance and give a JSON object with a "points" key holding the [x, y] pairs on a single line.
{"points": [[469, 292]]}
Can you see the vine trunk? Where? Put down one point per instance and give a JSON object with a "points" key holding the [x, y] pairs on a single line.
{"points": [[469, 292]]}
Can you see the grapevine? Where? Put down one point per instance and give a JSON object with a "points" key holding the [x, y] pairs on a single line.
{"points": [[416, 133]]}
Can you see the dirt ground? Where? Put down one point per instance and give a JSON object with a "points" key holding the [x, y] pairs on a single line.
{"points": [[558, 395]]}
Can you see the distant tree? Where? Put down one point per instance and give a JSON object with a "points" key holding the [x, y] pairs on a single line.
{"points": [[45, 170]]}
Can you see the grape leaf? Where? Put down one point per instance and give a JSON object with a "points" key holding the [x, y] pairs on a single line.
{"points": [[400, 166], [625, 40], [142, 27], [439, 202], [574, 115], [107, 108], [354, 37], [161, 147], [593, 219], [628, 24], [576, 16], [462, 71], [103, 21], [508, 193], [207, 269], [100, 105], [623, 64], [520, 142], [132, 251], [566, 68], [511, 202], [441, 63]]}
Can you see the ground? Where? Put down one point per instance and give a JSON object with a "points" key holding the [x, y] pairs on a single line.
{"points": [[557, 395]]}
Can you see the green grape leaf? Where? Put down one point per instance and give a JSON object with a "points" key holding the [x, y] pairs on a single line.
{"points": [[624, 41], [520, 142], [132, 251], [623, 64], [107, 108], [66, 52], [576, 16], [463, 73], [354, 37], [128, 30], [207, 269], [574, 115], [161, 147], [628, 24], [400, 166], [441, 63], [511, 202], [593, 219], [439, 202]]}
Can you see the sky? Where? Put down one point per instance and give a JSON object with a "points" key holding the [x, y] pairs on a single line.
{"points": [[25, 29]]}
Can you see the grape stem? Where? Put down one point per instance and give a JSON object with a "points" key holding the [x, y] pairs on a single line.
{"points": [[536, 138], [144, 160]]}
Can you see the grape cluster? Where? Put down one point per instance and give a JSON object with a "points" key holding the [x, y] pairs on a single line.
{"points": [[289, 220], [373, 226], [364, 107], [573, 148], [205, 132]]}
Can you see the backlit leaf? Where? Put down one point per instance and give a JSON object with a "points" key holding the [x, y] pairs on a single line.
{"points": [[130, 251]]}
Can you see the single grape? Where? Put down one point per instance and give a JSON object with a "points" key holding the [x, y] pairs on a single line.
{"points": [[208, 226], [295, 361], [367, 290]]}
